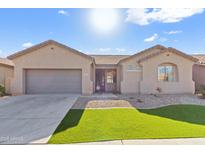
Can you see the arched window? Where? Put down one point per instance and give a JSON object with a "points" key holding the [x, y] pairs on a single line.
{"points": [[167, 72]]}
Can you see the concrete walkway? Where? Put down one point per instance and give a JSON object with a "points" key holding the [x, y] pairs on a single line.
{"points": [[32, 118], [182, 141]]}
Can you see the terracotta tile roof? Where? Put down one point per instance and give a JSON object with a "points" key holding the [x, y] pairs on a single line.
{"points": [[7, 62], [108, 59]]}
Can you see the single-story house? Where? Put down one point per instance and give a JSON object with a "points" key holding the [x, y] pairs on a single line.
{"points": [[51, 67], [199, 71], [6, 73]]}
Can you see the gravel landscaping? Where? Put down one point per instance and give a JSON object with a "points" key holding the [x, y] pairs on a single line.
{"points": [[136, 101]]}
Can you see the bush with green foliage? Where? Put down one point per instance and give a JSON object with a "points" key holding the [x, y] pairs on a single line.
{"points": [[202, 90], [2, 90]]}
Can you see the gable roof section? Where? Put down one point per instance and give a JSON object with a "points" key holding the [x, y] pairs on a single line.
{"points": [[172, 50], [43, 44], [102, 59], [108, 59], [6, 62], [160, 47]]}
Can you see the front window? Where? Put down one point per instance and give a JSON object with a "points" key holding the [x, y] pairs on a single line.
{"points": [[167, 72]]}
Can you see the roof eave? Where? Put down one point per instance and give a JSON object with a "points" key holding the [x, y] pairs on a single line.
{"points": [[7, 65], [183, 54], [40, 45], [143, 51]]}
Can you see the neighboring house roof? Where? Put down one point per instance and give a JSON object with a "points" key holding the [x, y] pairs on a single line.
{"points": [[144, 52], [201, 58], [108, 59], [43, 44], [6, 62], [172, 50]]}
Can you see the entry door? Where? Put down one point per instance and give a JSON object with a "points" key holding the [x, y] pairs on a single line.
{"points": [[110, 85], [105, 80], [100, 80]]}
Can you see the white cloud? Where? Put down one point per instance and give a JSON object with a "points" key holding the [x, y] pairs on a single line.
{"points": [[196, 53], [63, 12], [3, 54], [164, 15], [120, 49], [103, 49], [199, 53], [107, 51], [173, 32], [163, 39], [151, 38], [27, 45]]}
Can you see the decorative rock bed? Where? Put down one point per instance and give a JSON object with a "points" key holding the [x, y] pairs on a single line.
{"points": [[136, 101]]}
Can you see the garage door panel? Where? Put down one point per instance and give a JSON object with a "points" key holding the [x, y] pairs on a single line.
{"points": [[53, 81]]}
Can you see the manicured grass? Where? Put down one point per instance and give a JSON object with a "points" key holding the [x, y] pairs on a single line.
{"points": [[176, 121]]}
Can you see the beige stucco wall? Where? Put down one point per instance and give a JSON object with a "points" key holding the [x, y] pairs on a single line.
{"points": [[150, 82], [6, 74], [118, 78], [130, 80], [199, 75], [46, 58], [146, 81]]}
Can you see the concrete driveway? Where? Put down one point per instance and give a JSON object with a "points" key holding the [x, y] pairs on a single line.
{"points": [[32, 118]]}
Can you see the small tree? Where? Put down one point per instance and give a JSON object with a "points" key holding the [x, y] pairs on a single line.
{"points": [[2, 90]]}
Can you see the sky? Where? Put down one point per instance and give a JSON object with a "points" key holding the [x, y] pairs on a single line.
{"points": [[103, 31]]}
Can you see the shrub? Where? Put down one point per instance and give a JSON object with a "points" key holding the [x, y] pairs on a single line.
{"points": [[202, 90], [2, 90], [158, 89]]}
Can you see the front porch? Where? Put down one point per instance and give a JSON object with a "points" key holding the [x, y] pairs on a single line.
{"points": [[105, 80]]}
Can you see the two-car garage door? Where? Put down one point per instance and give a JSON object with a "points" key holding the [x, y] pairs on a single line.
{"points": [[49, 81]]}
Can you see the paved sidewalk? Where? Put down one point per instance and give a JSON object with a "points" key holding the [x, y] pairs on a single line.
{"points": [[181, 141]]}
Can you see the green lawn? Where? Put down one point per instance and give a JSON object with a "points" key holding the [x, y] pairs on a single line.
{"points": [[176, 121]]}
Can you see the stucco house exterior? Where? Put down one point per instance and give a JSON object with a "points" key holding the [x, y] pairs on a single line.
{"points": [[51, 67], [6, 73], [199, 71]]}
